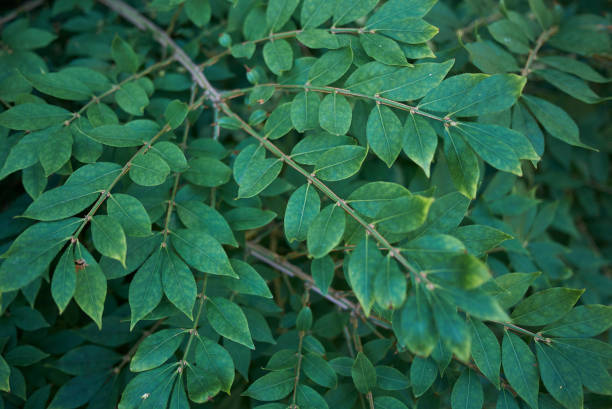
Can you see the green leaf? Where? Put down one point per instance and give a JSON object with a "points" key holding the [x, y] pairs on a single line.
{"points": [[319, 371], [29, 38], [61, 202], [36, 247], [491, 58], [146, 288], [179, 399], [258, 176], [542, 13], [486, 351], [197, 215], [178, 282], [249, 281], [389, 284], [109, 238], [387, 402], [279, 12], [278, 56], [493, 94], [403, 214], [390, 379], [87, 359], [132, 98], [505, 400], [479, 239], [363, 373], [453, 330], [25, 355], [249, 218], [217, 362], [303, 206], [423, 373], [462, 164], [326, 231], [30, 116], [305, 111], [559, 376], [279, 122], [509, 34], [308, 398], [571, 85], [149, 170], [414, 326], [383, 49], [467, 391], [202, 252], [126, 59], [401, 9], [60, 85], [229, 321], [487, 143], [318, 38], [155, 384], [362, 271], [176, 112], [555, 120], [340, 162], [385, 133], [401, 25], [310, 148], [322, 271], [350, 10], [199, 12], [5, 372], [400, 84], [510, 288], [28, 319], [582, 321], [335, 114], [273, 386], [315, 12], [55, 151], [77, 391], [202, 385], [420, 141], [331, 66], [545, 306], [520, 368], [207, 172], [451, 92], [90, 290], [155, 349], [130, 213], [111, 135], [370, 198], [573, 66], [63, 283]]}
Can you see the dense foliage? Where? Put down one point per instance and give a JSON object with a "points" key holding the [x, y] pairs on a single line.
{"points": [[305, 204]]}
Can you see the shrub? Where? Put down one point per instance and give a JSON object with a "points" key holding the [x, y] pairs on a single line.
{"points": [[305, 204]]}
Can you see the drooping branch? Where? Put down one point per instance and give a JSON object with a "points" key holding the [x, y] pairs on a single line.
{"points": [[25, 7], [215, 96]]}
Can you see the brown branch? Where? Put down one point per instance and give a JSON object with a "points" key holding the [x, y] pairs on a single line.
{"points": [[533, 53], [28, 6]]}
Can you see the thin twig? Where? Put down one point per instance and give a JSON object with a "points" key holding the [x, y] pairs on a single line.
{"points": [[332, 90], [533, 53], [177, 177], [25, 7]]}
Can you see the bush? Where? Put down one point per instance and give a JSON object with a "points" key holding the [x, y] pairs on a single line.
{"points": [[305, 204]]}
